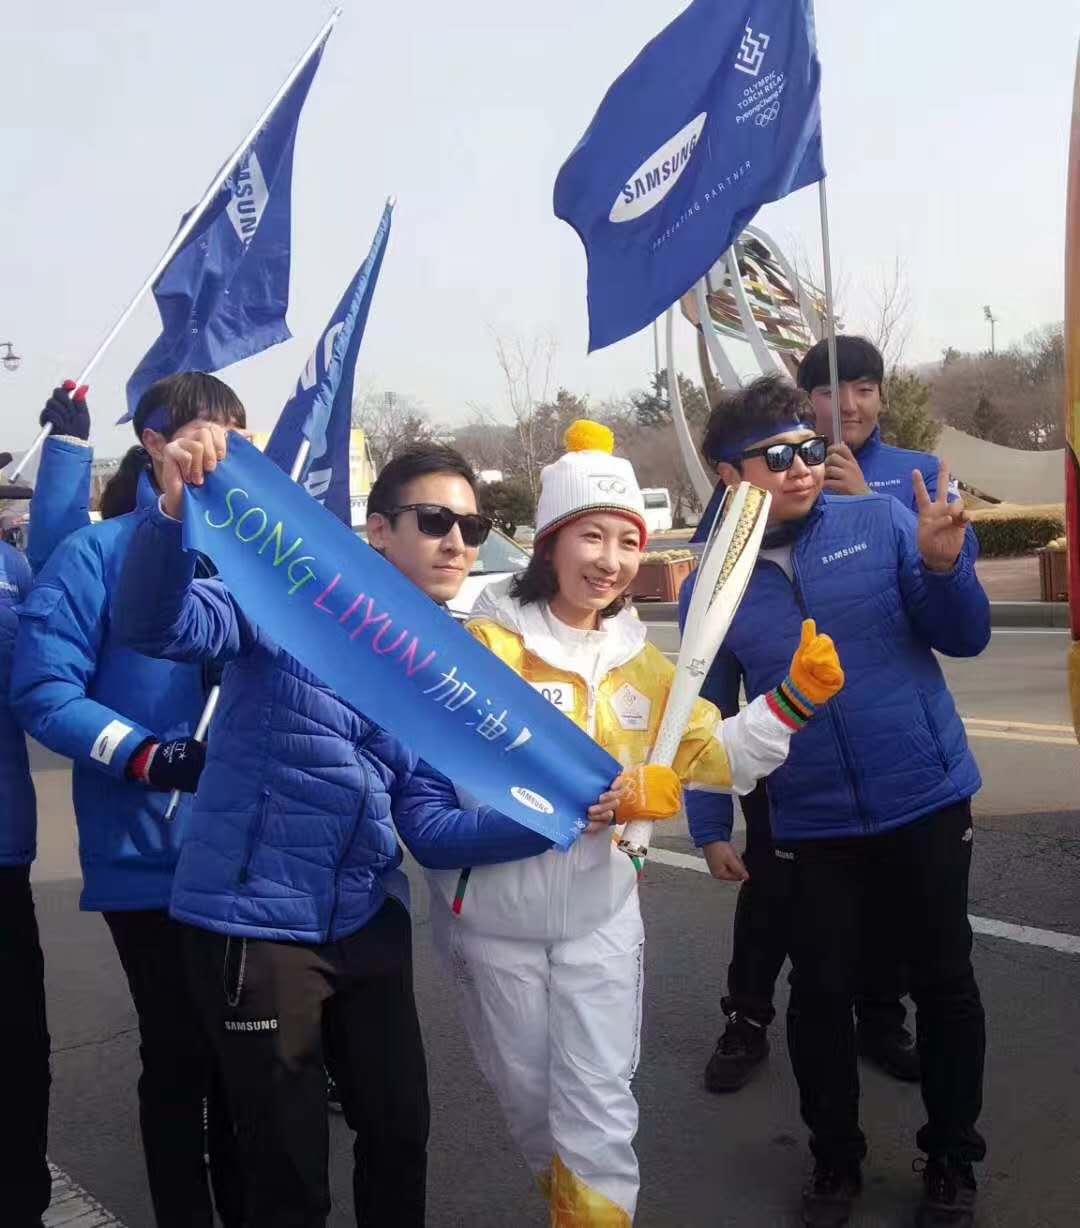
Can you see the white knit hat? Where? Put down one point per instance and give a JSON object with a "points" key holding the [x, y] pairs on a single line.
{"points": [[587, 478]]}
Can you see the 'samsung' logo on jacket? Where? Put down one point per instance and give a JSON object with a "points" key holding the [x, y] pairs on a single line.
{"points": [[844, 553]]}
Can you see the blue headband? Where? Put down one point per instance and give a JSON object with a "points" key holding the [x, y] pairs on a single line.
{"points": [[156, 420], [733, 452]]}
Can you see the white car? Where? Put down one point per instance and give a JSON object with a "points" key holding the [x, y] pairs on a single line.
{"points": [[499, 557]]}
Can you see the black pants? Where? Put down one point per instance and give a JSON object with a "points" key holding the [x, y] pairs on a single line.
{"points": [[280, 1014], [762, 936], [920, 872], [24, 1056], [183, 1110]]}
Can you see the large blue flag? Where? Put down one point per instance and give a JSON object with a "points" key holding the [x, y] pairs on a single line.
{"points": [[385, 647], [321, 408], [223, 296], [717, 116]]}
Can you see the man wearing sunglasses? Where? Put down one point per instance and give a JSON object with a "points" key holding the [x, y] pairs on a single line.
{"points": [[289, 888], [871, 813], [422, 517]]}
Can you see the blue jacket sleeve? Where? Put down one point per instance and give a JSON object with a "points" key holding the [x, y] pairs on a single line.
{"points": [[61, 626], [441, 835], [949, 610], [711, 815], [161, 610], [61, 502]]}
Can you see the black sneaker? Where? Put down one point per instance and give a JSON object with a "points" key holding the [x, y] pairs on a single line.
{"points": [[948, 1194], [742, 1048], [829, 1194], [333, 1096], [893, 1052]]}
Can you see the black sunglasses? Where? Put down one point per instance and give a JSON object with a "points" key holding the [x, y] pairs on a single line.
{"points": [[434, 520], [781, 456]]}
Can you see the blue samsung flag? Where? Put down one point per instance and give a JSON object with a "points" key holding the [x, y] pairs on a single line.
{"points": [[321, 408], [716, 117], [385, 647], [223, 296]]}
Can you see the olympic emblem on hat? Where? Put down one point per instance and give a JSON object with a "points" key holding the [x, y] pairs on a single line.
{"points": [[610, 486]]}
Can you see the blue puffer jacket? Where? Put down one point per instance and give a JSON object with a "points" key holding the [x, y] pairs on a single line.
{"points": [[890, 747], [80, 691], [887, 471], [61, 502], [292, 836], [18, 806]]}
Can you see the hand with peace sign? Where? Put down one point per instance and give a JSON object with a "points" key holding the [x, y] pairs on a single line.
{"points": [[941, 524]]}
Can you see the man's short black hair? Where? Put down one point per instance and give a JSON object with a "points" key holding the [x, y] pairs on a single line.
{"points": [[856, 359], [418, 460], [769, 401]]}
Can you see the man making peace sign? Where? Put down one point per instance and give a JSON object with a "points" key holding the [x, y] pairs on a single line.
{"points": [[873, 804]]}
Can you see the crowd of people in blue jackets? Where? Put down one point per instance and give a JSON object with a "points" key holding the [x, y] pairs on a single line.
{"points": [[279, 875]]}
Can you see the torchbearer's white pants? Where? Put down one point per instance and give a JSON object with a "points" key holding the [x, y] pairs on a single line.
{"points": [[555, 1027]]}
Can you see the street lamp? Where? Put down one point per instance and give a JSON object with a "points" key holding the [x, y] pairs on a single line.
{"points": [[10, 359], [991, 320]]}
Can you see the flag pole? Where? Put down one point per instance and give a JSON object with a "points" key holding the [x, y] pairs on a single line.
{"points": [[189, 224], [830, 311]]}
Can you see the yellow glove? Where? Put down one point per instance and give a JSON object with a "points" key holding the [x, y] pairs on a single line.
{"points": [[649, 791], [815, 668]]}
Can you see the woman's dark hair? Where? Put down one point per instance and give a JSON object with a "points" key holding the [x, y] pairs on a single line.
{"points": [[165, 407], [856, 359], [539, 583], [418, 460], [768, 401]]}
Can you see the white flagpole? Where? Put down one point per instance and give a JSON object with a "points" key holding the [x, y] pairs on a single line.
{"points": [[180, 238], [830, 311]]}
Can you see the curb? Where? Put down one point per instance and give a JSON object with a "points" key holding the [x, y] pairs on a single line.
{"points": [[1002, 613]]}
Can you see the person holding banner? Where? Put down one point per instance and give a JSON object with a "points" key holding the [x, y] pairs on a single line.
{"points": [[127, 722], [547, 953], [294, 905], [872, 811]]}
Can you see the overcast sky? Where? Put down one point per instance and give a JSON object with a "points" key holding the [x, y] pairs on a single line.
{"points": [[945, 125]]}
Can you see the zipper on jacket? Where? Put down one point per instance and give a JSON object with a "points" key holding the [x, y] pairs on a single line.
{"points": [[254, 834], [831, 712], [360, 810]]}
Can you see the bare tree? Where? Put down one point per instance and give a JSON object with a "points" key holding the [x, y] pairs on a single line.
{"points": [[891, 324], [391, 421], [526, 371]]}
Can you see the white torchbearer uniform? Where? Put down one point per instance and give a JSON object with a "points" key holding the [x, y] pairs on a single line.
{"points": [[547, 954]]}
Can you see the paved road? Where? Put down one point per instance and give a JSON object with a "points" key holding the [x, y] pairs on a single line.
{"points": [[705, 1161]]}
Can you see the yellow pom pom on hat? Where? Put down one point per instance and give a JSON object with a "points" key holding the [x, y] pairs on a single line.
{"points": [[584, 435], [588, 477]]}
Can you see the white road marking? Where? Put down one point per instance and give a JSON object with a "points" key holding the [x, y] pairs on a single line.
{"points": [[1027, 934], [72, 1206]]}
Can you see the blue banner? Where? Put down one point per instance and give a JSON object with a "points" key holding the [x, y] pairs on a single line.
{"points": [[387, 649], [224, 295], [717, 116], [321, 407]]}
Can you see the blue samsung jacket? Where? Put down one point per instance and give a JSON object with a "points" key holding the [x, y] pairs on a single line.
{"points": [[890, 747], [81, 692], [292, 832]]}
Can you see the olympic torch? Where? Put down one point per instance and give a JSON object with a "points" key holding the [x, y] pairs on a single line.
{"points": [[723, 574]]}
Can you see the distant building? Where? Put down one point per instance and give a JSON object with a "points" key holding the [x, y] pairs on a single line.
{"points": [[1003, 475]]}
